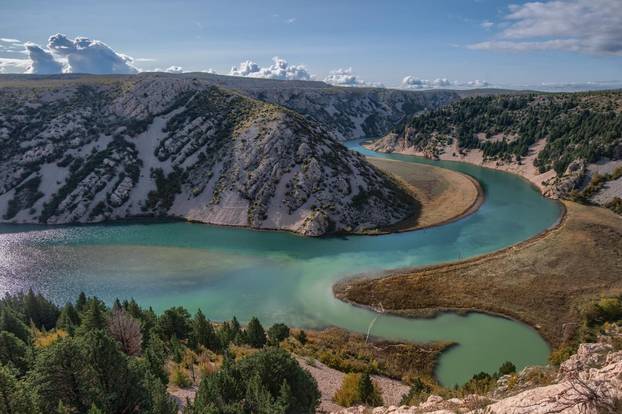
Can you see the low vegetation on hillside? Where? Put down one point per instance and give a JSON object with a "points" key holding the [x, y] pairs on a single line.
{"points": [[585, 126]]}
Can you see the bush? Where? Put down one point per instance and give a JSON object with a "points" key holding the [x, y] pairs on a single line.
{"points": [[507, 368], [561, 354], [605, 310], [358, 388], [277, 333], [179, 377], [418, 392], [268, 381]]}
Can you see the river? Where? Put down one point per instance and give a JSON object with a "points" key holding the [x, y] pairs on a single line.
{"points": [[282, 277]]}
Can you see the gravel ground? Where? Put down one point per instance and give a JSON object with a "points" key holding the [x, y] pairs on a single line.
{"points": [[329, 380], [610, 190]]}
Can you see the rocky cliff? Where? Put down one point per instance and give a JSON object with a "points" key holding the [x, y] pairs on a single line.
{"points": [[88, 149]]}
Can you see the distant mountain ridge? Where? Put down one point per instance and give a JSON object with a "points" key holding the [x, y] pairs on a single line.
{"points": [[95, 148]]}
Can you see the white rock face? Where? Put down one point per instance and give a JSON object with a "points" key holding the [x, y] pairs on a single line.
{"points": [[178, 146]]}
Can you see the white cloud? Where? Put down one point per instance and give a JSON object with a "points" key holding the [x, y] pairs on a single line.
{"points": [[279, 69], [290, 20], [412, 82], [486, 24], [41, 61], [80, 55], [90, 56], [586, 26], [346, 77], [174, 69], [13, 65]]}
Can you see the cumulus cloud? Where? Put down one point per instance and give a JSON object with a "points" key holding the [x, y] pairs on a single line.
{"points": [[84, 55], [80, 55], [586, 26], [412, 82], [280, 69], [346, 77], [174, 69], [41, 61]]}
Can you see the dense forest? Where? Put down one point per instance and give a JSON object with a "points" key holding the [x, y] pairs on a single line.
{"points": [[89, 358], [585, 126]]}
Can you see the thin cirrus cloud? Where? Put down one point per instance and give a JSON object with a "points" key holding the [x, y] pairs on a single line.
{"points": [[412, 82], [346, 77], [584, 26], [280, 69]]}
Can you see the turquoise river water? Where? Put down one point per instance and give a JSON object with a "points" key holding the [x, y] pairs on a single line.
{"points": [[281, 277]]}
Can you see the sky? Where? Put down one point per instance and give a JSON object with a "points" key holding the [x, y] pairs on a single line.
{"points": [[415, 44]]}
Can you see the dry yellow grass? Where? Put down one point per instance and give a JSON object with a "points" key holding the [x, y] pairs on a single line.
{"points": [[444, 195], [43, 339], [543, 282]]}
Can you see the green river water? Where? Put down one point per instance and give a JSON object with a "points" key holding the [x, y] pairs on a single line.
{"points": [[281, 277]]}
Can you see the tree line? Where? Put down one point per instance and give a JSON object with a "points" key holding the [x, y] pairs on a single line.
{"points": [[86, 357]]}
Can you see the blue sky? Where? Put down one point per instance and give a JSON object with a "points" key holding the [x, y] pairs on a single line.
{"points": [[382, 41]]}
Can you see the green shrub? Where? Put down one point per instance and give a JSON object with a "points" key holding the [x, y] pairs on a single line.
{"points": [[357, 388], [268, 381], [507, 368], [179, 377], [418, 392]]}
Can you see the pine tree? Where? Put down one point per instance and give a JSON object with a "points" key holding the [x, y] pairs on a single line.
{"points": [[10, 322], [81, 302], [93, 318], [367, 391], [203, 333], [13, 351], [15, 397], [68, 319], [255, 333], [302, 337]]}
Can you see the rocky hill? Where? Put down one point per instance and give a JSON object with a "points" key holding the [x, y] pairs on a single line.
{"points": [[92, 148], [568, 144], [346, 113]]}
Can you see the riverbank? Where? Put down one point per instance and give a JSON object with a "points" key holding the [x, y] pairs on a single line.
{"points": [[543, 282], [525, 169], [444, 195]]}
